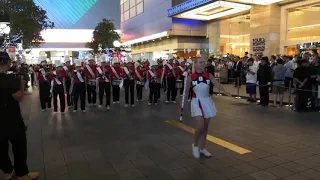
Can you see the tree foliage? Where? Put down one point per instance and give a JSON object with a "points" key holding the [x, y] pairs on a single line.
{"points": [[27, 20], [103, 36]]}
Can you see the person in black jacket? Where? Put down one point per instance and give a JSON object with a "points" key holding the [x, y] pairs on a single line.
{"points": [[264, 79], [12, 126], [237, 69], [210, 69]]}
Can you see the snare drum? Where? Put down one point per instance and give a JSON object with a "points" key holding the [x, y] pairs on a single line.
{"points": [[179, 84], [116, 82], [140, 83]]}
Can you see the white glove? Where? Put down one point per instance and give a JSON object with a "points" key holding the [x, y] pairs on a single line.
{"points": [[258, 83], [269, 83]]}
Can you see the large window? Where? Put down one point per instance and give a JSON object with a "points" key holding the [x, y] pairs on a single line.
{"points": [[130, 9], [230, 36], [303, 24], [235, 35]]}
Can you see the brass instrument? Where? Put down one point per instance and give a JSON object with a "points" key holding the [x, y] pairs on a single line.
{"points": [[156, 77]]}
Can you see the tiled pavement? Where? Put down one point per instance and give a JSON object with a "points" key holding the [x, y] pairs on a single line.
{"points": [[136, 143]]}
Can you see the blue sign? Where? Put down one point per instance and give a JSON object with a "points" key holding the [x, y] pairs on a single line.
{"points": [[190, 4]]}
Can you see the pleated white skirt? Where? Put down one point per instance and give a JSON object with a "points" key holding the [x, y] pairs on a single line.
{"points": [[203, 107]]}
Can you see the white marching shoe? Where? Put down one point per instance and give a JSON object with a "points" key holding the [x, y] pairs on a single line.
{"points": [[205, 152], [195, 152]]}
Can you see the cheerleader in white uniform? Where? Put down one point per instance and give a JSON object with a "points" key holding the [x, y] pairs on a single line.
{"points": [[202, 106]]}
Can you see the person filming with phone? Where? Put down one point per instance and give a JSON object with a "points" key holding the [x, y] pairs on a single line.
{"points": [[12, 127]]}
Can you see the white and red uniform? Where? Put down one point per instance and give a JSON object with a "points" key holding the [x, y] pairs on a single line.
{"points": [[201, 103]]}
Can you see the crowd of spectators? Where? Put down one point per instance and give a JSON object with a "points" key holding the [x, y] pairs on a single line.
{"points": [[298, 75]]}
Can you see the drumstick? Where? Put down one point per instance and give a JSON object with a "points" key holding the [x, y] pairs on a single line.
{"points": [[183, 94]]}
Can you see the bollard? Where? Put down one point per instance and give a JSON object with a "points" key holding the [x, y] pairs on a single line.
{"points": [[238, 93], [219, 92]]}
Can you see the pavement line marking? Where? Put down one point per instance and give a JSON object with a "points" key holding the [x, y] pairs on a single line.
{"points": [[218, 141]]}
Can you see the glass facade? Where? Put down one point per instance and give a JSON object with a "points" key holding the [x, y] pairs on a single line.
{"points": [[302, 28], [130, 9], [235, 35], [230, 36], [302, 24]]}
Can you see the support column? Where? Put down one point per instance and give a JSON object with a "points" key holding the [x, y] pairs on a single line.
{"points": [[265, 29], [213, 32]]}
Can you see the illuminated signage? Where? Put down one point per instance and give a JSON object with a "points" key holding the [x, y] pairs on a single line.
{"points": [[215, 10], [260, 2], [68, 35], [66, 13], [190, 4], [146, 38]]}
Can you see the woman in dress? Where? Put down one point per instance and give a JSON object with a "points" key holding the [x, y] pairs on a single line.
{"points": [[202, 106]]}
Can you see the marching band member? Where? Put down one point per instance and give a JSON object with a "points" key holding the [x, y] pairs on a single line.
{"points": [[146, 65], [202, 106], [78, 87], [154, 79], [182, 73], [171, 75], [44, 83], [57, 87], [104, 81], [128, 73], [189, 64], [90, 70], [68, 69], [116, 72], [140, 81]]}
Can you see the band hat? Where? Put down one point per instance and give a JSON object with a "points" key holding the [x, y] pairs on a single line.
{"points": [[181, 60], [67, 58], [57, 63], [23, 59], [77, 62], [170, 56], [129, 59], [115, 60], [137, 64], [90, 57], [42, 59], [153, 63], [98, 59], [103, 58], [189, 61], [165, 62]]}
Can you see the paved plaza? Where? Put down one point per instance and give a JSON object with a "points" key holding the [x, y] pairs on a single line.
{"points": [[139, 143]]}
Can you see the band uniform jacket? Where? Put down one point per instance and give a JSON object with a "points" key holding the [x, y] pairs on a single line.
{"points": [[87, 73], [157, 73], [168, 73], [61, 75], [118, 69], [131, 70], [40, 77]]}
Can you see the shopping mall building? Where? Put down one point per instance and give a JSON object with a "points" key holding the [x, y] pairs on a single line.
{"points": [[155, 28], [74, 24]]}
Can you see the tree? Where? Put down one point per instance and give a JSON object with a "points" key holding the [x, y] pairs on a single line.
{"points": [[103, 36], [27, 20]]}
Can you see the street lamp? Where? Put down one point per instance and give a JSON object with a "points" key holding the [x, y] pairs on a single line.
{"points": [[4, 28], [4, 24]]}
